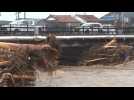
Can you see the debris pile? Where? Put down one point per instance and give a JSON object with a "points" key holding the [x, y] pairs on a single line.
{"points": [[19, 62], [111, 53]]}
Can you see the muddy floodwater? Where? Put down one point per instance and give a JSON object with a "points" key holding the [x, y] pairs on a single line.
{"points": [[88, 76]]}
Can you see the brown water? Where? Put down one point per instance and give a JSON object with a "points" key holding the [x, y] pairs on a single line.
{"points": [[97, 75]]}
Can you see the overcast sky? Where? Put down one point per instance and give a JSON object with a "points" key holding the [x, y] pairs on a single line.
{"points": [[11, 15]]}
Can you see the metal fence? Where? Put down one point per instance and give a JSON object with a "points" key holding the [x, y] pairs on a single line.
{"points": [[64, 31]]}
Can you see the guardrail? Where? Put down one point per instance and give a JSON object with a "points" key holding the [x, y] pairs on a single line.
{"points": [[62, 31]]}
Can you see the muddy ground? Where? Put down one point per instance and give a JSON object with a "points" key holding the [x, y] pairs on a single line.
{"points": [[89, 76]]}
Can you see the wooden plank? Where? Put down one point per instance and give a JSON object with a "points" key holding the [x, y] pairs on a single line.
{"points": [[109, 44], [4, 62], [98, 59]]}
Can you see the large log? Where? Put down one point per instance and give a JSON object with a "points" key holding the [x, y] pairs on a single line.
{"points": [[20, 59], [20, 53], [4, 62]]}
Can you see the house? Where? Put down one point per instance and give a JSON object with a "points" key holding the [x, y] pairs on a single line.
{"points": [[66, 22], [129, 17], [109, 18], [118, 18], [4, 22], [59, 23], [29, 21], [62, 21], [87, 18]]}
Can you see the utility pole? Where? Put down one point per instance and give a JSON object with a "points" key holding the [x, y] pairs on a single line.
{"points": [[123, 25], [122, 21], [119, 23], [119, 20], [24, 15], [18, 15]]}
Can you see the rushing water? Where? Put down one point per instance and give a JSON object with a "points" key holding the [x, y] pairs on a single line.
{"points": [[97, 75], [77, 76]]}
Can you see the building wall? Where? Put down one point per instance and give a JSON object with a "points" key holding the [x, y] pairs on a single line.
{"points": [[57, 26]]}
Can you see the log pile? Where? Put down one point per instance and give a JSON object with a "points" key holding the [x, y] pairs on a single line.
{"points": [[111, 53], [19, 62]]}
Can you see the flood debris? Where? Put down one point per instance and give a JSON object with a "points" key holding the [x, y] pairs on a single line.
{"points": [[19, 62], [111, 53]]}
